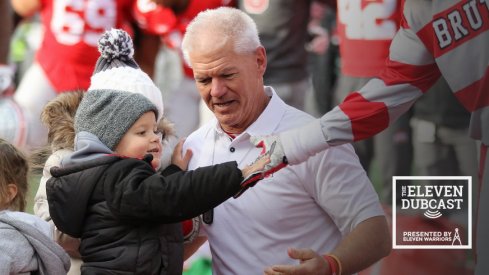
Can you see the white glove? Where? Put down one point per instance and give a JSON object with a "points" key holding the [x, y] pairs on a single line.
{"points": [[6, 76], [277, 161], [296, 145], [272, 146]]}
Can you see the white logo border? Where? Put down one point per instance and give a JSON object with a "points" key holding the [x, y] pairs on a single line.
{"points": [[394, 210]]}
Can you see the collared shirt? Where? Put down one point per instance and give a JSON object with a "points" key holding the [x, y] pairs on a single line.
{"points": [[310, 205]]}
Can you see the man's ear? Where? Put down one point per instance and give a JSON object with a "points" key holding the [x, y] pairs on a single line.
{"points": [[12, 191], [261, 59]]}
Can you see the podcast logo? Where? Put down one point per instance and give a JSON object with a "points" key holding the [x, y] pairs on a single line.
{"points": [[432, 212]]}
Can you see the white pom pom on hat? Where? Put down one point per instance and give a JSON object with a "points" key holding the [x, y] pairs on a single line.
{"points": [[117, 70]]}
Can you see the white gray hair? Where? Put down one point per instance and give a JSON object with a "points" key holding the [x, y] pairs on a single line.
{"points": [[229, 24]]}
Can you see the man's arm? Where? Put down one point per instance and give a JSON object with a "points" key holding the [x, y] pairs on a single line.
{"points": [[340, 186], [366, 244], [410, 71]]}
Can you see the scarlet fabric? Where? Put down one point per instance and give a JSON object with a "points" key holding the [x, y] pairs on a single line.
{"points": [[68, 51]]}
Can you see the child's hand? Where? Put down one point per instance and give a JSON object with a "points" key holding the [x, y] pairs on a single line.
{"points": [[253, 173], [257, 166], [181, 160]]}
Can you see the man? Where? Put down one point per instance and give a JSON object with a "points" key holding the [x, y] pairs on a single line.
{"points": [[326, 204], [439, 37]]}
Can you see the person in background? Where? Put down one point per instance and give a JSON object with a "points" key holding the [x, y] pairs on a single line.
{"points": [[326, 204], [323, 65], [26, 241], [65, 59], [442, 146], [372, 25], [283, 29], [437, 38], [57, 115]]}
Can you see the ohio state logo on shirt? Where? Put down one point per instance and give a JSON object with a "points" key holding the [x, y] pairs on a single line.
{"points": [[460, 23], [256, 6]]}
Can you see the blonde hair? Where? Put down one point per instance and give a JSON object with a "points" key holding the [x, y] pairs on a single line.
{"points": [[58, 116], [14, 169]]}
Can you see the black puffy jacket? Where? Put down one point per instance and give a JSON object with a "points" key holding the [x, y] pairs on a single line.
{"points": [[127, 215]]}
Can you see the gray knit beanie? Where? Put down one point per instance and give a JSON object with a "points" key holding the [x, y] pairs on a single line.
{"points": [[108, 114], [116, 69]]}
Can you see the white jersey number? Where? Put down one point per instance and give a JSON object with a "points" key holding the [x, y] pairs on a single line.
{"points": [[368, 20], [82, 20]]}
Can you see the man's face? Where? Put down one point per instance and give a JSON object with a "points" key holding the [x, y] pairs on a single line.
{"points": [[231, 84]]}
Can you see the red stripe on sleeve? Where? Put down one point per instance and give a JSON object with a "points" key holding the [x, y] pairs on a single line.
{"points": [[367, 118], [420, 76], [475, 96], [426, 35]]}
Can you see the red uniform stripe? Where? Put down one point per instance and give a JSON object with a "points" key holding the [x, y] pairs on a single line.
{"points": [[475, 96], [420, 76], [367, 118]]}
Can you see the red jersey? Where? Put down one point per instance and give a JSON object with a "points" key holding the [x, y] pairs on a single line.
{"points": [[159, 20], [68, 52], [365, 30]]}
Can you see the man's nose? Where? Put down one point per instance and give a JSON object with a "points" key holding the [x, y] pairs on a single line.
{"points": [[218, 88]]}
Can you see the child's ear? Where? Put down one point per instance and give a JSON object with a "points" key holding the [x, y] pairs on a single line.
{"points": [[12, 191]]}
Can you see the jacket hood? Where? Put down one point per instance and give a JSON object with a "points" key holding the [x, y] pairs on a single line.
{"points": [[87, 147], [71, 186], [50, 257]]}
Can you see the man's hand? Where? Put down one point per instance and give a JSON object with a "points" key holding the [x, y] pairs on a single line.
{"points": [[310, 263]]}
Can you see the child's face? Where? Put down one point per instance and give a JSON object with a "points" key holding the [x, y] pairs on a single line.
{"points": [[141, 139]]}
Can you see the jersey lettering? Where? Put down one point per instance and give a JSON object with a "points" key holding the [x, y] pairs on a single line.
{"points": [[442, 33], [461, 21], [456, 21], [368, 20], [77, 21]]}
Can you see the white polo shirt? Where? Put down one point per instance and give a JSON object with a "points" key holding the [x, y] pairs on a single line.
{"points": [[310, 205]]}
